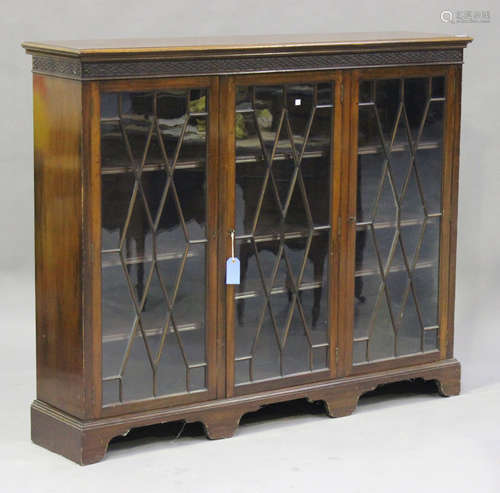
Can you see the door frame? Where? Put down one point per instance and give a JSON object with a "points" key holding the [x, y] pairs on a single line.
{"points": [[446, 255], [92, 237], [226, 347]]}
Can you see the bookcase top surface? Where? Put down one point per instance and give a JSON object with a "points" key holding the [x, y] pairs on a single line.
{"points": [[245, 43]]}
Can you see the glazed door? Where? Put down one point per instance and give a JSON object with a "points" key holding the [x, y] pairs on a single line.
{"points": [[280, 166], [398, 246], [158, 142]]}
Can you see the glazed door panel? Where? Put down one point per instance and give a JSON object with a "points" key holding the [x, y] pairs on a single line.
{"points": [[158, 240], [282, 161], [401, 218]]}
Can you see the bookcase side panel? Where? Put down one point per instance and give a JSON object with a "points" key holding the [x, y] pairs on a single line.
{"points": [[58, 218], [456, 74]]}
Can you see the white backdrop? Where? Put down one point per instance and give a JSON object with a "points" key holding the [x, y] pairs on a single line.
{"points": [[478, 265]]}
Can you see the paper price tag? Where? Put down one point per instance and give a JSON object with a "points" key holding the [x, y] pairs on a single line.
{"points": [[232, 271]]}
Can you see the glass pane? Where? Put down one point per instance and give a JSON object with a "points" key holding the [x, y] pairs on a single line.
{"points": [[381, 338], [197, 378], [433, 124], [241, 370], [154, 243], [370, 169], [192, 151], [248, 148], [387, 99], [427, 273], [110, 391], [438, 87], [325, 93], [135, 114], [430, 340], [320, 357], [116, 194], [359, 351], [113, 149], [367, 287], [415, 100], [428, 163], [365, 91], [283, 154], [398, 217]]}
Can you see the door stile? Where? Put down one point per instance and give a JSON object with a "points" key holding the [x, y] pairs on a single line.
{"points": [[344, 193], [226, 213], [338, 149], [347, 226], [212, 206]]}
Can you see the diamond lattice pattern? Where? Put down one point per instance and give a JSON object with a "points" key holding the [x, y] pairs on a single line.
{"points": [[398, 217], [153, 152], [283, 161]]}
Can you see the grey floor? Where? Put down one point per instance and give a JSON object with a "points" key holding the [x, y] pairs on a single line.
{"points": [[397, 440]]}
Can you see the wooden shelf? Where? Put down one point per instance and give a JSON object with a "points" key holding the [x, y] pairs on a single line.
{"points": [[375, 149], [360, 226], [395, 268], [255, 158], [142, 119], [145, 259], [247, 238], [180, 165], [277, 290], [122, 336]]}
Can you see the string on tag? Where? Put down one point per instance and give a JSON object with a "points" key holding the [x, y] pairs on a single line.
{"points": [[232, 265], [232, 244]]}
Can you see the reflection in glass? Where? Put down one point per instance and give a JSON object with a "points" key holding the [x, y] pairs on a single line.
{"points": [[153, 154], [283, 166], [162, 120], [437, 87], [398, 217]]}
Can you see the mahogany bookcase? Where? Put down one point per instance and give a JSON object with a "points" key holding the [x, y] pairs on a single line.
{"points": [[332, 162]]}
